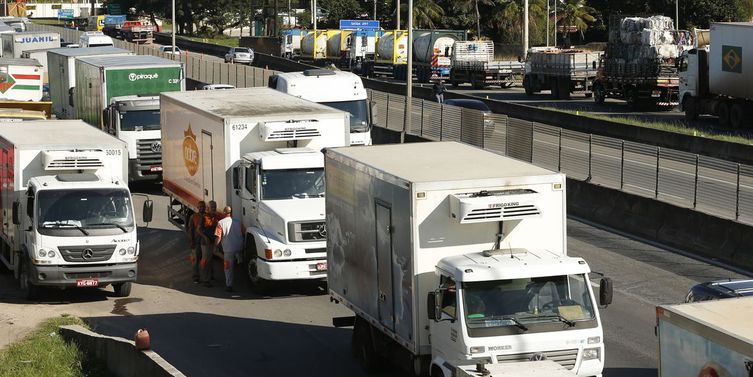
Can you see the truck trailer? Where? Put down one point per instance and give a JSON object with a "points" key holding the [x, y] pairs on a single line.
{"points": [[120, 95], [438, 250], [16, 43], [62, 84], [21, 80], [432, 52], [718, 79], [290, 42], [473, 63], [706, 339], [68, 218], [258, 150], [391, 55], [561, 71]]}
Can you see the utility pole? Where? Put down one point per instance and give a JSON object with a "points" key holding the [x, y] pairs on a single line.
{"points": [[290, 20], [677, 14], [555, 23], [173, 27], [525, 29], [375, 17], [547, 23], [275, 29], [398, 15], [409, 76], [314, 14]]}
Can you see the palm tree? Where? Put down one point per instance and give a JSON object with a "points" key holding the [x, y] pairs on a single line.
{"points": [[575, 13], [426, 13], [507, 16]]}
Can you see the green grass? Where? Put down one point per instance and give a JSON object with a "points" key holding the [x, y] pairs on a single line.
{"points": [[675, 127], [44, 353], [49, 22], [222, 40]]}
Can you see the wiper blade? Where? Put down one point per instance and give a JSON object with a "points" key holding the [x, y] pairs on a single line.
{"points": [[562, 319], [111, 224], [60, 224], [514, 320]]}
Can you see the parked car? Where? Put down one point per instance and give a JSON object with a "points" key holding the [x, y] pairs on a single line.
{"points": [[475, 104], [216, 87], [718, 289], [169, 50], [240, 55]]}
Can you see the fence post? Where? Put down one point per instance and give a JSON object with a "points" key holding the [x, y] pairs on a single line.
{"points": [[590, 155], [559, 150], [387, 113], [695, 185], [422, 117], [441, 121], [656, 183], [622, 164], [737, 195]]}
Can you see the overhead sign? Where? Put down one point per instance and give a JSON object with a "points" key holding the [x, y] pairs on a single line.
{"points": [[65, 13], [359, 24], [732, 59], [114, 9]]}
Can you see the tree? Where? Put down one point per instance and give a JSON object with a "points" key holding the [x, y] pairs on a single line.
{"points": [[337, 10], [575, 13], [427, 14]]}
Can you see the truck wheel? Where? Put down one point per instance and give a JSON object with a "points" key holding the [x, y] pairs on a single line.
{"points": [[631, 97], [363, 347], [600, 94], [528, 85], [554, 88], [722, 110], [29, 290], [258, 284], [690, 106], [122, 289], [564, 88], [736, 116]]}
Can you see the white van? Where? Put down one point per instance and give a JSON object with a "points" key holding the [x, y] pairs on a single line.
{"points": [[95, 39]]}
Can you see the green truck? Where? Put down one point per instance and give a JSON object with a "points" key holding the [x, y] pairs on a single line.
{"points": [[120, 95]]}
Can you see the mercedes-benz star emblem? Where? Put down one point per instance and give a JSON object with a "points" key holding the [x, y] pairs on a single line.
{"points": [[538, 357], [322, 230], [156, 147], [87, 254]]}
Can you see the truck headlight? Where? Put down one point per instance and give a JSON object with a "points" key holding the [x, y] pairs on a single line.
{"points": [[287, 252], [278, 253], [594, 340], [122, 251], [51, 253], [42, 253], [131, 250], [591, 354]]}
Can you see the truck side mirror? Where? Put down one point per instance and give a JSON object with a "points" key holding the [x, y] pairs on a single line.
{"points": [[373, 107], [148, 211], [431, 306], [16, 218], [593, 63], [605, 291]]}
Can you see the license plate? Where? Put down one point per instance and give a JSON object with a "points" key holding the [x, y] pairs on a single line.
{"points": [[321, 266], [87, 282], [155, 168]]}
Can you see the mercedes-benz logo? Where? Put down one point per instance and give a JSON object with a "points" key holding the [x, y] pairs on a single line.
{"points": [[322, 230], [156, 147], [87, 254], [537, 357]]}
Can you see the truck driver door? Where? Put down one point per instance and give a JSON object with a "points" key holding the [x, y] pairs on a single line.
{"points": [[385, 296], [207, 161]]}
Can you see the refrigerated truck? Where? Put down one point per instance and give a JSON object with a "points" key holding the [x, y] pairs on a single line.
{"points": [[20, 80], [258, 150], [120, 95], [63, 62], [706, 339], [67, 214], [438, 250], [718, 79], [16, 43], [344, 92]]}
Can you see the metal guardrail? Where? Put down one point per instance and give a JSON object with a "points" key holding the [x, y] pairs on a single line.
{"points": [[702, 183], [709, 185]]}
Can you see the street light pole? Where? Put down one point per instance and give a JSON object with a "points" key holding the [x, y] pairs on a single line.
{"points": [[173, 27], [547, 23], [314, 14], [677, 14], [525, 29], [398, 15], [375, 17], [409, 76]]}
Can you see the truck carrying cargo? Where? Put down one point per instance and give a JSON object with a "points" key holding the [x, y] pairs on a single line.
{"points": [[69, 219], [290, 45], [432, 52], [718, 79], [62, 84], [120, 95], [639, 65], [16, 43], [561, 71], [391, 56], [258, 150], [473, 62], [358, 46], [20, 79], [112, 24], [706, 339], [314, 46], [437, 249], [137, 32]]}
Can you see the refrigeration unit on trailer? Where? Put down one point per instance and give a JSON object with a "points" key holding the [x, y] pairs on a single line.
{"points": [[68, 217], [344, 91], [120, 95], [451, 256], [62, 84], [20, 80], [16, 43], [258, 150]]}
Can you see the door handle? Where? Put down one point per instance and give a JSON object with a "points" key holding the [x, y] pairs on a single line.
{"points": [[382, 297], [206, 192]]}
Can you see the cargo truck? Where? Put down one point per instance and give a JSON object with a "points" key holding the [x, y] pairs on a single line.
{"points": [[706, 339], [473, 63], [563, 72], [290, 44], [344, 92], [258, 150], [16, 43], [137, 32], [68, 217], [314, 46], [120, 95], [718, 79], [62, 84], [391, 55], [20, 79], [41, 57], [357, 47], [438, 250], [112, 24], [432, 52]]}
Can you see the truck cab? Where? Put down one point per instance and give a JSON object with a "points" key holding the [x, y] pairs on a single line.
{"points": [[344, 91], [503, 306], [136, 120], [290, 43], [95, 39]]}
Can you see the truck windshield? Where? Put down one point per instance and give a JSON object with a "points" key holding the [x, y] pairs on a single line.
{"points": [[359, 114], [525, 303], [139, 120], [85, 211], [292, 183]]}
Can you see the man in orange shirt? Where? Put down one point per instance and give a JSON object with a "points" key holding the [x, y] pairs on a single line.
{"points": [[205, 232], [193, 241]]}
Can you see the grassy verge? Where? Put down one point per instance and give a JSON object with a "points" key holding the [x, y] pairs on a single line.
{"points": [[45, 353], [676, 127], [222, 40], [49, 22]]}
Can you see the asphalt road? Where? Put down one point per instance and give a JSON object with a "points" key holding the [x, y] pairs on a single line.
{"points": [[208, 332]]}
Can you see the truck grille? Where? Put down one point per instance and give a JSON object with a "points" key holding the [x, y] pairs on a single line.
{"points": [[566, 358], [87, 254], [149, 154], [307, 231]]}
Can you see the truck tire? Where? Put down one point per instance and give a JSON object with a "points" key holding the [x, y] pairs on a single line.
{"points": [[737, 116], [600, 94], [122, 289], [29, 290], [554, 88], [631, 97], [690, 106], [528, 85], [722, 110], [564, 88], [363, 346], [436, 371]]}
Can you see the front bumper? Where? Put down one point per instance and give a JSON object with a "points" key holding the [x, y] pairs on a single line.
{"points": [[137, 171], [66, 276], [291, 269]]}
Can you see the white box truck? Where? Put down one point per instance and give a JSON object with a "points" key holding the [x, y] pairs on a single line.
{"points": [[258, 150], [718, 79], [68, 218], [20, 80], [344, 92], [706, 339], [63, 61], [16, 43], [450, 255]]}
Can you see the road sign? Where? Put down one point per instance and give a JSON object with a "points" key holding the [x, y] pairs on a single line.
{"points": [[65, 13], [359, 24], [113, 9]]}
